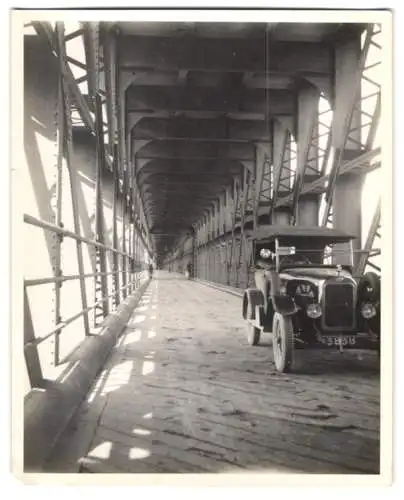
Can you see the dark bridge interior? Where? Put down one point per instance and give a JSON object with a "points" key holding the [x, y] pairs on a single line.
{"points": [[200, 96]]}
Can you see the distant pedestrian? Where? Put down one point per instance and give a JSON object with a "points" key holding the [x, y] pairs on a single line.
{"points": [[188, 272]]}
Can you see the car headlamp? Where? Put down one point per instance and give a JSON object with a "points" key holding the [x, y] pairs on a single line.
{"points": [[265, 253], [368, 310], [313, 311]]}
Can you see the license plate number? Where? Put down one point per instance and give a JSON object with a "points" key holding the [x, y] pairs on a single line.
{"points": [[345, 340]]}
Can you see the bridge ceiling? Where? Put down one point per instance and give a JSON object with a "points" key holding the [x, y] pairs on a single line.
{"points": [[198, 98]]}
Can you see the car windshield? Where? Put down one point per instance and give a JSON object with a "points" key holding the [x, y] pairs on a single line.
{"points": [[310, 252], [329, 255]]}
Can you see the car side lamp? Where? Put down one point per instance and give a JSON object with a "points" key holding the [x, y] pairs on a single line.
{"points": [[265, 253], [313, 311], [368, 310]]}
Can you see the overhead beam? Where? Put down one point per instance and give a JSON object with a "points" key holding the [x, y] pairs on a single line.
{"points": [[176, 174], [165, 165], [188, 128], [210, 151], [153, 77], [194, 181], [201, 114], [230, 55], [191, 194], [219, 100]]}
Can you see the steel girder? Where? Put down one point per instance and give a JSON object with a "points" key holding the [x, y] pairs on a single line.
{"points": [[315, 180], [342, 137], [235, 55]]}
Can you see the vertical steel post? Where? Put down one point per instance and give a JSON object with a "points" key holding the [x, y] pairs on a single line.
{"points": [[124, 204], [243, 207], [101, 282], [58, 247], [31, 350], [236, 200], [72, 170], [307, 120], [110, 86], [280, 140], [115, 245]]}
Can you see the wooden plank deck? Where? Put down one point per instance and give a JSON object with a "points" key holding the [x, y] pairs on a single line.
{"points": [[184, 393]]}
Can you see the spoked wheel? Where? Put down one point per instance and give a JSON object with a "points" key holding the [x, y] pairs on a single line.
{"points": [[253, 334], [282, 344]]}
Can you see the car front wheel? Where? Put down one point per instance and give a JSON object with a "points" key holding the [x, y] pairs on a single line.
{"points": [[282, 343], [253, 334]]}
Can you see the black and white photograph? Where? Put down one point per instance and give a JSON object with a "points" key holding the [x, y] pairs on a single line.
{"points": [[204, 244]]}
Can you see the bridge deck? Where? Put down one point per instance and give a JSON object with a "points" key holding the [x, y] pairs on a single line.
{"points": [[183, 392]]}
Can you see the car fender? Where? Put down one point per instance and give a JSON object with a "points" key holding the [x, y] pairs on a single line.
{"points": [[251, 299], [283, 304]]}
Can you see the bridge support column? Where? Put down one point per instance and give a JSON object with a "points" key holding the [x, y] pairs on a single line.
{"points": [[348, 188], [307, 153], [263, 160], [280, 215]]}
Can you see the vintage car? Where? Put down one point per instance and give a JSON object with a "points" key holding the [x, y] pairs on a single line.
{"points": [[306, 295]]}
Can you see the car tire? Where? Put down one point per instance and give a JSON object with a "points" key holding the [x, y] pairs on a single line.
{"points": [[283, 342], [253, 334]]}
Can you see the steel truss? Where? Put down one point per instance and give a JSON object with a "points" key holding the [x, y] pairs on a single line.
{"points": [[282, 177], [98, 113]]}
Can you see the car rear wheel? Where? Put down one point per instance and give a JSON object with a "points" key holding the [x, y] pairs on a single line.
{"points": [[253, 334], [282, 344]]}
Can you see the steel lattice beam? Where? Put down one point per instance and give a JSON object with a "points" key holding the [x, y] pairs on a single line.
{"points": [[339, 141], [371, 236]]}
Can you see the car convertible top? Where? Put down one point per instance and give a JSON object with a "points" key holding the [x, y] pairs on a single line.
{"points": [[296, 234]]}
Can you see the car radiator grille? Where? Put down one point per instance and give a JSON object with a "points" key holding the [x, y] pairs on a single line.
{"points": [[339, 305]]}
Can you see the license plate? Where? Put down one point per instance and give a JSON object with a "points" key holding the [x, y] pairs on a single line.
{"points": [[344, 340]]}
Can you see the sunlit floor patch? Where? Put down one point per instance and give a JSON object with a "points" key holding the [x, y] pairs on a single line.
{"points": [[118, 377], [141, 308], [103, 450], [130, 337], [102, 377], [141, 432], [138, 318], [138, 453], [148, 367]]}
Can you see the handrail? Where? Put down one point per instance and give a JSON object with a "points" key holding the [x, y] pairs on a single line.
{"points": [[61, 279], [29, 219], [66, 322]]}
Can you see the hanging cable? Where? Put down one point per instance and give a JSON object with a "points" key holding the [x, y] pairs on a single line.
{"points": [[266, 82], [267, 119]]}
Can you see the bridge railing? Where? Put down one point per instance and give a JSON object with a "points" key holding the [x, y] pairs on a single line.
{"points": [[133, 282]]}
